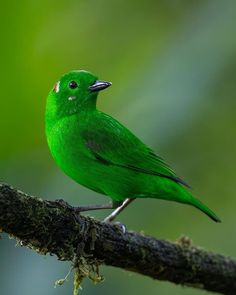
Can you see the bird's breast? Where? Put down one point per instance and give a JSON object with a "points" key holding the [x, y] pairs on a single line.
{"points": [[67, 147]]}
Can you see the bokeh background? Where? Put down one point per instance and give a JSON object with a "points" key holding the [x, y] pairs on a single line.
{"points": [[173, 68]]}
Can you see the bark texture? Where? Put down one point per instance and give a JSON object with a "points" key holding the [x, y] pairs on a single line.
{"points": [[55, 228]]}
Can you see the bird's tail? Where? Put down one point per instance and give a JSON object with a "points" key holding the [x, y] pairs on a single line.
{"points": [[198, 204], [181, 194], [172, 191]]}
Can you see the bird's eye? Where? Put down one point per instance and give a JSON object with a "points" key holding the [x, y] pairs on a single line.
{"points": [[73, 85]]}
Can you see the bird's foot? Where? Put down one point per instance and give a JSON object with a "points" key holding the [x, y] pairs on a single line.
{"points": [[118, 225], [60, 203], [77, 210], [92, 207]]}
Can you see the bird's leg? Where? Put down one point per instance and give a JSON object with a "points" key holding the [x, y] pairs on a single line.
{"points": [[117, 211], [111, 205]]}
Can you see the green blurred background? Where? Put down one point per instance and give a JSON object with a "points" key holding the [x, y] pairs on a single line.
{"points": [[173, 68]]}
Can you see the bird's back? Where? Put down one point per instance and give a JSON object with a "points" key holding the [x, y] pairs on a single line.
{"points": [[129, 168]]}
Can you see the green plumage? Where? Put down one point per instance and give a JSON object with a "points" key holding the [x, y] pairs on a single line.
{"points": [[98, 152]]}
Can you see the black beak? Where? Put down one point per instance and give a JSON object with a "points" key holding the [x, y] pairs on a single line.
{"points": [[99, 85]]}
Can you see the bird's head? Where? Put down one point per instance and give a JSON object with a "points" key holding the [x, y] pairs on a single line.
{"points": [[75, 91]]}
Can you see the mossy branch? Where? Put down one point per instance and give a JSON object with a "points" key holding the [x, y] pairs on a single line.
{"points": [[54, 228]]}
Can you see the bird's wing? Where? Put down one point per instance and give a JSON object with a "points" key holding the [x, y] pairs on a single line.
{"points": [[113, 144]]}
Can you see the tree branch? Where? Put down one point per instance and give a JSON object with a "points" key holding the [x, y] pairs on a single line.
{"points": [[54, 228]]}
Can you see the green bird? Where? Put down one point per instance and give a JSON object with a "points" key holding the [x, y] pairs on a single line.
{"points": [[101, 154]]}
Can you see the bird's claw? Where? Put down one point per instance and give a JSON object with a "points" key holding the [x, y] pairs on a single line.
{"points": [[59, 203], [64, 205], [118, 225]]}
